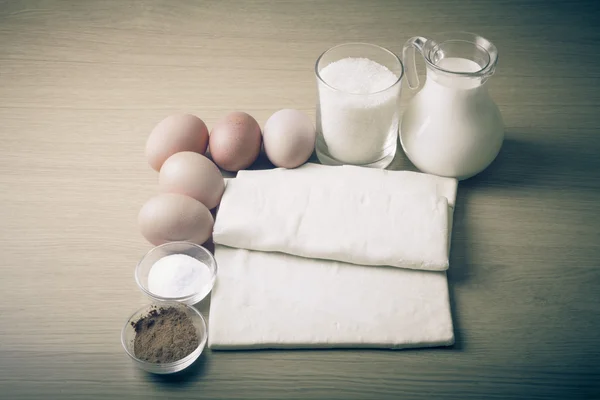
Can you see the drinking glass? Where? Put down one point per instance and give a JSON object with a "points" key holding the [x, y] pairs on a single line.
{"points": [[358, 128]]}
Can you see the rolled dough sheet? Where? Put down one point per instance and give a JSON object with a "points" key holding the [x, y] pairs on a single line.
{"points": [[356, 215], [274, 300]]}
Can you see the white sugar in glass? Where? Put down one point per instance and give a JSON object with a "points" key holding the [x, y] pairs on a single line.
{"points": [[358, 111]]}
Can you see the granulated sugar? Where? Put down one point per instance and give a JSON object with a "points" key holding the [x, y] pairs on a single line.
{"points": [[359, 119], [178, 275], [358, 75]]}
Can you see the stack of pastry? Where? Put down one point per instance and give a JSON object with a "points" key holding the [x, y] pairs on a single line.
{"points": [[323, 256]]}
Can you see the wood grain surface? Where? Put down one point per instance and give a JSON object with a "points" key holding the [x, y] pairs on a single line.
{"points": [[82, 83]]}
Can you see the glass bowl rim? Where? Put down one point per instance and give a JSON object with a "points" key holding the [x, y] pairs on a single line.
{"points": [[182, 299]]}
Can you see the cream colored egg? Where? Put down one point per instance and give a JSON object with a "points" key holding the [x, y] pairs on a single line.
{"points": [[170, 217], [289, 138], [183, 132], [193, 175]]}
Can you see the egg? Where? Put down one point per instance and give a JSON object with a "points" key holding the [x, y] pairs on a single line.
{"points": [[182, 132], [234, 141], [289, 138], [193, 175], [170, 217]]}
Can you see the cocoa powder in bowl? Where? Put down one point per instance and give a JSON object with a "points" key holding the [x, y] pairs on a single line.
{"points": [[165, 335]]}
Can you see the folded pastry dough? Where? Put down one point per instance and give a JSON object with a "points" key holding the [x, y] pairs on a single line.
{"points": [[351, 214], [362, 216], [274, 300]]}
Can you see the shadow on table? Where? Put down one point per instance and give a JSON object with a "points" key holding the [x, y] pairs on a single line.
{"points": [[458, 272], [180, 379], [524, 162]]}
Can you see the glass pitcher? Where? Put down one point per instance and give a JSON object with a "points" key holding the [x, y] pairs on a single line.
{"points": [[452, 127]]}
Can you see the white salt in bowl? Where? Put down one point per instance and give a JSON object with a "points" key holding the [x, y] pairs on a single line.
{"points": [[128, 338], [193, 250]]}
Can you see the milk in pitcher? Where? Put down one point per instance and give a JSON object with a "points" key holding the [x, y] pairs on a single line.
{"points": [[452, 127]]}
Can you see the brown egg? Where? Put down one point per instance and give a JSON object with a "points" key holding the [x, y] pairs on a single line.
{"points": [[234, 141], [170, 217], [182, 132], [193, 175]]}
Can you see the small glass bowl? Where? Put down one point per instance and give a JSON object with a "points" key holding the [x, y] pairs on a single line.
{"points": [[128, 337], [191, 249]]}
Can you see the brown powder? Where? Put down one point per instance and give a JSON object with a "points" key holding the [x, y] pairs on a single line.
{"points": [[164, 335]]}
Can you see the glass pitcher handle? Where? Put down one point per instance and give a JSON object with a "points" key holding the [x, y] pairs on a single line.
{"points": [[408, 58]]}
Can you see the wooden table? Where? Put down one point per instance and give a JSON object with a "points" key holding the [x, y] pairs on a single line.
{"points": [[82, 83]]}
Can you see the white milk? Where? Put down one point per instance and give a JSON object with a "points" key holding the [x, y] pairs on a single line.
{"points": [[452, 127], [357, 122]]}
